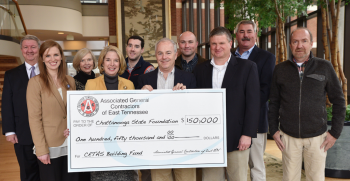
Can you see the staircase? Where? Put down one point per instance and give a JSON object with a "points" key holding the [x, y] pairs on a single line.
{"points": [[6, 63]]}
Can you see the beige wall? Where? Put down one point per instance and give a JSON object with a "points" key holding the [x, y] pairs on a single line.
{"points": [[70, 4], [95, 26], [52, 18]]}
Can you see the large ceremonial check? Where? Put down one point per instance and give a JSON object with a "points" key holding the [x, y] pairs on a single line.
{"points": [[131, 130]]}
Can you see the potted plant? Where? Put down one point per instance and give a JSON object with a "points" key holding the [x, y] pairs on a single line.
{"points": [[338, 157]]}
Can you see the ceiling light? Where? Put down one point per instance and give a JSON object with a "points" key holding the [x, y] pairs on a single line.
{"points": [[60, 33]]}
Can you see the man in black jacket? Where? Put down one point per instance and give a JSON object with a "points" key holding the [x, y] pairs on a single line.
{"points": [[246, 36], [297, 109], [240, 79], [14, 108]]}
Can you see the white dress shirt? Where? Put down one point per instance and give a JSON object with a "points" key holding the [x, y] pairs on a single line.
{"points": [[167, 83], [219, 73]]}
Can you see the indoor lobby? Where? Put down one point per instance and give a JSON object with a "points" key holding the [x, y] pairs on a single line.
{"points": [[96, 24]]}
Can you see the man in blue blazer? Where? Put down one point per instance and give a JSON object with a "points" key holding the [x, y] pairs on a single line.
{"points": [[240, 79], [246, 36], [166, 76], [15, 124]]}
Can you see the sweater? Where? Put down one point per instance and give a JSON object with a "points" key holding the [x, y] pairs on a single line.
{"points": [[140, 68], [299, 105]]}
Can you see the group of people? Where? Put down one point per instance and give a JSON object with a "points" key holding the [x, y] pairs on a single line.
{"points": [[289, 101]]}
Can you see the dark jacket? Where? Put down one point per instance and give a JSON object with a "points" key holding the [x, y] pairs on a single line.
{"points": [[241, 82], [183, 77], [140, 68], [299, 105], [178, 63], [265, 62], [14, 105], [81, 78]]}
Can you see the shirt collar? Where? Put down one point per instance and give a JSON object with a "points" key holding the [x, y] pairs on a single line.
{"points": [[194, 58], [161, 73], [302, 63], [246, 52], [28, 66], [225, 65]]}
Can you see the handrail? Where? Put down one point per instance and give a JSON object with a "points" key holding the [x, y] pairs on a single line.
{"points": [[4, 8], [20, 15]]}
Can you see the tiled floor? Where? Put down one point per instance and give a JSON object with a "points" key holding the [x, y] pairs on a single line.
{"points": [[272, 149]]}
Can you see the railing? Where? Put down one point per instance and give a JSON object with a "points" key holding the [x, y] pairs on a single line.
{"points": [[93, 1], [11, 20]]}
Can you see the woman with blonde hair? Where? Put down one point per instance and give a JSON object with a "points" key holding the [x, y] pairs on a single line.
{"points": [[47, 111], [111, 64], [84, 61]]}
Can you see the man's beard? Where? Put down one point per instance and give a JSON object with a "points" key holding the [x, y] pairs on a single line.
{"points": [[188, 55], [134, 59], [300, 55]]}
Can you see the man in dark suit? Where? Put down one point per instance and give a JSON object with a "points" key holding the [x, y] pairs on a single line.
{"points": [[246, 36], [14, 108], [166, 76], [240, 79], [188, 59]]}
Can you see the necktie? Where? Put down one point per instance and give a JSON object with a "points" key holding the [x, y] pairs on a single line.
{"points": [[32, 73]]}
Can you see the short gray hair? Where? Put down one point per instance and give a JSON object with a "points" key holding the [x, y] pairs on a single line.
{"points": [[246, 22], [164, 40], [30, 37]]}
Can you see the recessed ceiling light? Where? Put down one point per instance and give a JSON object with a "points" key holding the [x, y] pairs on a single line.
{"points": [[60, 33]]}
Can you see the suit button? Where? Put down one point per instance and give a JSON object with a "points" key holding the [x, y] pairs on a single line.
{"points": [[64, 117]]}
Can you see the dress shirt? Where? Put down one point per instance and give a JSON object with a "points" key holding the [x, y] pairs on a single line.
{"points": [[188, 67], [168, 83], [219, 73], [29, 69], [245, 55]]}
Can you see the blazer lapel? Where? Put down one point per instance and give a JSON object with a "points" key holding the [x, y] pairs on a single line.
{"points": [[178, 76], [121, 85], [23, 73], [154, 78], [101, 84], [254, 53], [230, 71], [58, 96], [64, 93], [209, 75]]}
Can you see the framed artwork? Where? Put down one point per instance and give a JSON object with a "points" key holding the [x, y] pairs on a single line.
{"points": [[147, 19]]}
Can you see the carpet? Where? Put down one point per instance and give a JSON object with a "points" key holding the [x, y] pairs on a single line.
{"points": [[274, 170]]}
